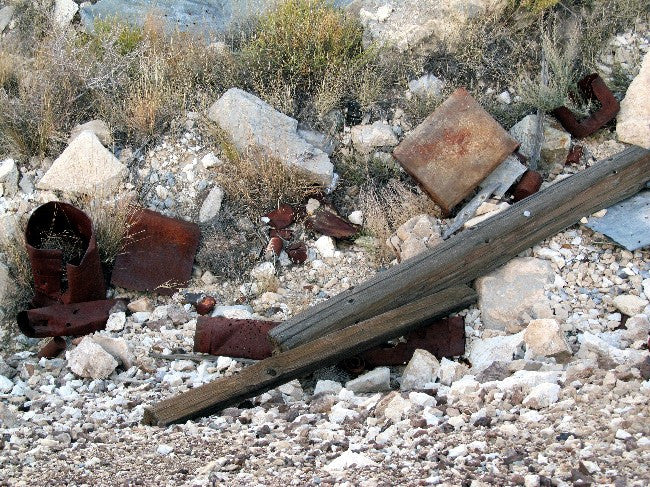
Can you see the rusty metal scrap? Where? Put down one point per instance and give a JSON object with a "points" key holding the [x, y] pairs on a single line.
{"points": [[282, 217], [205, 305], [575, 155], [442, 338], [50, 227], [233, 337], [594, 89], [65, 319], [529, 184], [327, 222], [52, 348], [158, 253], [297, 252], [454, 149]]}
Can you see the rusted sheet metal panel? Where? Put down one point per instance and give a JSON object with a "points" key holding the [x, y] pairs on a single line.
{"points": [[443, 338], [158, 254], [281, 217], [454, 149], [593, 88], [54, 223], [65, 319], [233, 338]]}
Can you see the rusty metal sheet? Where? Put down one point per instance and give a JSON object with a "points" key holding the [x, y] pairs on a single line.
{"points": [[158, 254], [442, 338], [52, 348], [529, 184], [282, 217], [326, 221], [454, 149], [593, 88], [297, 252], [57, 235], [233, 337], [65, 319]]}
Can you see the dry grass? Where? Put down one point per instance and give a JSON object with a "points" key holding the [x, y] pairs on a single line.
{"points": [[20, 271], [386, 208]]}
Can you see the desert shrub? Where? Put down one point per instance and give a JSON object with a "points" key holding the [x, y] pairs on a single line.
{"points": [[537, 6], [14, 254]]}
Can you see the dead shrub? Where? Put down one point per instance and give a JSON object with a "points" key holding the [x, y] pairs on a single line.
{"points": [[21, 289]]}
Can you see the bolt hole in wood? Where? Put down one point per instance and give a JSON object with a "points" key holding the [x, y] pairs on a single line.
{"points": [[272, 372], [350, 300]]}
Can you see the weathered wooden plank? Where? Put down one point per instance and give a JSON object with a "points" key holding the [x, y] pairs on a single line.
{"points": [[271, 372], [474, 252]]}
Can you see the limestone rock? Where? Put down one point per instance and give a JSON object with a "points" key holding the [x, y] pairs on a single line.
{"points": [[252, 123], [484, 352], [325, 246], [420, 25], [90, 360], [510, 296], [140, 305], [633, 120], [356, 217], [556, 142], [327, 387], [422, 369], [84, 167], [542, 396], [6, 14], [415, 236], [348, 459], [630, 304], [117, 347], [97, 127], [451, 371], [368, 137], [6, 385], [545, 337], [374, 381], [608, 356], [116, 321], [427, 86], [8, 177], [637, 327], [395, 408], [64, 11], [211, 205]]}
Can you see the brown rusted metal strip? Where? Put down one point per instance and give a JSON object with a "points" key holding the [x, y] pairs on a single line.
{"points": [[326, 221], [233, 337], [64, 223], [65, 319], [594, 88], [52, 348], [158, 253]]}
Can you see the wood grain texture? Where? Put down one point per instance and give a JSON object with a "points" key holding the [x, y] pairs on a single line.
{"points": [[474, 252], [269, 373]]}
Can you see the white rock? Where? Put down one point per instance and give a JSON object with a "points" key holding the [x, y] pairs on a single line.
{"points": [[252, 123], [116, 321], [396, 408], [421, 370], [525, 380], [621, 434], [9, 177], [6, 14], [164, 449], [484, 352], [450, 371], [211, 204], [545, 338], [636, 328], [117, 347], [646, 287], [456, 421], [463, 390], [340, 413], [224, 363], [356, 217], [504, 97], [327, 387], [458, 451], [84, 167], [64, 11], [366, 138], [421, 399], [348, 459], [531, 480], [556, 141], [325, 246], [6, 385], [265, 270], [210, 160], [607, 355], [140, 316], [633, 119], [542, 396], [374, 381], [98, 127], [630, 304], [427, 86], [236, 311], [514, 294], [88, 359]]}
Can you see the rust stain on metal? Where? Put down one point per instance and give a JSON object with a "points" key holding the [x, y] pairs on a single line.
{"points": [[442, 338], [282, 217], [593, 88], [50, 227], [233, 337], [65, 319], [326, 221], [529, 184], [158, 254], [454, 149]]}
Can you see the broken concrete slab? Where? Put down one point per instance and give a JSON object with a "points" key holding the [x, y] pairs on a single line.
{"points": [[454, 149], [627, 222], [85, 167], [633, 121], [253, 123], [514, 294]]}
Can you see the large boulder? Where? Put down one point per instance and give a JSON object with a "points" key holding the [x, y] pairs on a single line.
{"points": [[420, 25], [633, 121], [85, 167], [253, 123], [90, 360], [514, 294]]}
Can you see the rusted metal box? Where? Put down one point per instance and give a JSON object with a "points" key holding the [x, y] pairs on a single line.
{"points": [[454, 149]]}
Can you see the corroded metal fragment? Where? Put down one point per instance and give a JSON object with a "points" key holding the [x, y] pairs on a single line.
{"points": [[233, 337]]}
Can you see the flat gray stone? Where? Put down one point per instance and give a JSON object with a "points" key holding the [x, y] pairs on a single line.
{"points": [[252, 123], [374, 381], [6, 14], [211, 205], [627, 222]]}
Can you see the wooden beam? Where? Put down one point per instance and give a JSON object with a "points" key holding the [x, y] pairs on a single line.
{"points": [[271, 372], [474, 252]]}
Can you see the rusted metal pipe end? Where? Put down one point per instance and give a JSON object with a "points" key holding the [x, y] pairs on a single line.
{"points": [[529, 184]]}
